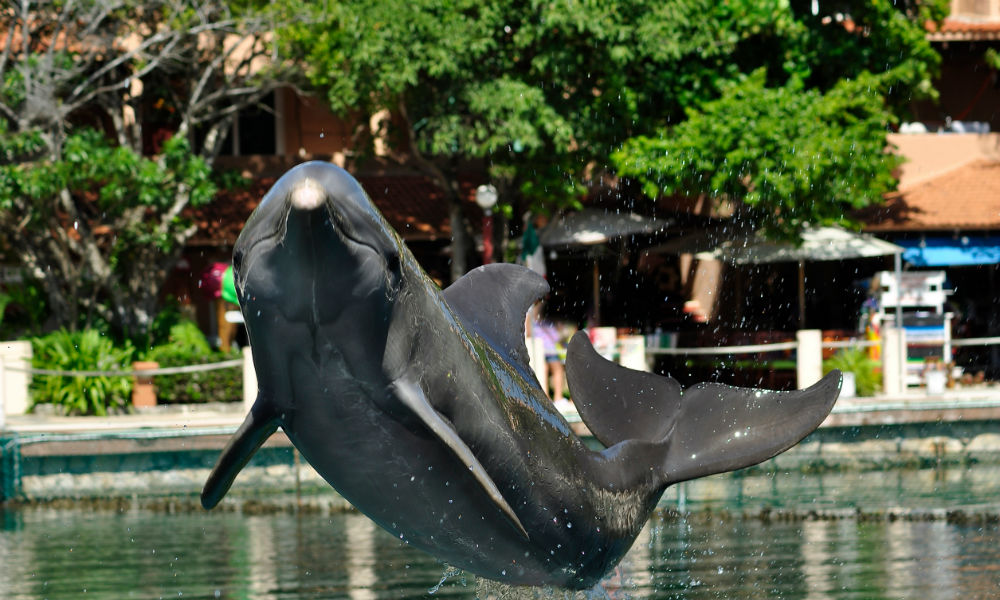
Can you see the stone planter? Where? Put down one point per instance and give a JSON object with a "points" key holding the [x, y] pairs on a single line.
{"points": [[143, 390]]}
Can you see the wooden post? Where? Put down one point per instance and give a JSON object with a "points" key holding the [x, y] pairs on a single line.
{"points": [[596, 300], [224, 327], [802, 294]]}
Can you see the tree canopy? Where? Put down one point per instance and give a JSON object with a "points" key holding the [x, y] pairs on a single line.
{"points": [[801, 139], [789, 156], [93, 189], [778, 105], [548, 94]]}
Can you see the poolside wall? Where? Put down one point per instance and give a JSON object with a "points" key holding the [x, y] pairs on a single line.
{"points": [[179, 466]]}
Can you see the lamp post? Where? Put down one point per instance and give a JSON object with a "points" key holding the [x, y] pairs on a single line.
{"points": [[486, 198]]}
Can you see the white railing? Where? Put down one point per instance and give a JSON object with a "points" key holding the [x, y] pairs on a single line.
{"points": [[16, 373]]}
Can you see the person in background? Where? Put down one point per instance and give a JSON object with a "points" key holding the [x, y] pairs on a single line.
{"points": [[554, 339]]}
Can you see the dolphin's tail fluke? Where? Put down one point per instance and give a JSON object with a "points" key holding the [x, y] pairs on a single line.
{"points": [[256, 428], [683, 434]]}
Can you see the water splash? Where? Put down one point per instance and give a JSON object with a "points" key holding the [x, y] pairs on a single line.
{"points": [[449, 572], [612, 587]]}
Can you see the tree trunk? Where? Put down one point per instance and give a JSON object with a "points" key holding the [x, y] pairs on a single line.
{"points": [[459, 239]]}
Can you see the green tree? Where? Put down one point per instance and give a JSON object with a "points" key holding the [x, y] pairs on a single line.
{"points": [[788, 156], [798, 135], [542, 93], [539, 92], [94, 222], [101, 226]]}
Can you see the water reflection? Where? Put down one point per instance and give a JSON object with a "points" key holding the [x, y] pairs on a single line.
{"points": [[817, 554], [361, 559], [710, 553], [262, 559]]}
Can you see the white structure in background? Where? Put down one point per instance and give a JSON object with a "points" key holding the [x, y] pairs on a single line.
{"points": [[922, 298], [920, 291], [15, 360]]}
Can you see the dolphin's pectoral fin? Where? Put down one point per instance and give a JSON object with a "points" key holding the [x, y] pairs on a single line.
{"points": [[413, 398], [493, 301], [259, 424], [723, 428], [617, 403]]}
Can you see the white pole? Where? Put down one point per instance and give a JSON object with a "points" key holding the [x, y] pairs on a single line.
{"points": [[893, 361], [947, 339], [901, 338], [898, 268], [809, 357]]}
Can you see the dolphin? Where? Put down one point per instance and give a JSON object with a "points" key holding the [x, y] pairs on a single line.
{"points": [[419, 407]]}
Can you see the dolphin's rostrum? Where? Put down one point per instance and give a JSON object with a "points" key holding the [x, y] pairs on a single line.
{"points": [[419, 407]]}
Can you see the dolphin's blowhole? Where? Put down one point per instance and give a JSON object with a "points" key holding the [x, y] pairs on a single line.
{"points": [[308, 195]]}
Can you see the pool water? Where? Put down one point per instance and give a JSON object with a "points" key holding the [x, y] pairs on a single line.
{"points": [[761, 536]]}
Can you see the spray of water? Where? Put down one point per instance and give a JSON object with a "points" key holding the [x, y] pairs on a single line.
{"points": [[614, 587]]}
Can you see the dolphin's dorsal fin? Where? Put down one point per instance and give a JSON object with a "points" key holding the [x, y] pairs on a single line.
{"points": [[493, 301], [617, 403]]}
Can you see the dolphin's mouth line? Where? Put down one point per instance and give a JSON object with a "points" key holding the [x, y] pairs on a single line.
{"points": [[342, 227], [339, 224]]}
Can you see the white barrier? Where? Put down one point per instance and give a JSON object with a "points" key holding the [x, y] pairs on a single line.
{"points": [[15, 359], [809, 357], [893, 361], [16, 371]]}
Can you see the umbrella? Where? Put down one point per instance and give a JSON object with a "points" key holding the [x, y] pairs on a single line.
{"points": [[590, 227], [593, 226], [817, 244]]}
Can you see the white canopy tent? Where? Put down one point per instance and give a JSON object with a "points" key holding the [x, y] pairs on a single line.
{"points": [[817, 244]]}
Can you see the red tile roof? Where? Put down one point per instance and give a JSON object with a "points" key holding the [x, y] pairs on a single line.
{"points": [[220, 221], [961, 29], [412, 204], [966, 197]]}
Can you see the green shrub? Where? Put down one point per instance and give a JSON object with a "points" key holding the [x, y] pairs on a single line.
{"points": [[22, 310], [188, 346], [184, 336], [86, 350], [867, 372]]}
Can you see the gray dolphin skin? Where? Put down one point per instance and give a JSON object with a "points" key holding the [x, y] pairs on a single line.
{"points": [[418, 405]]}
